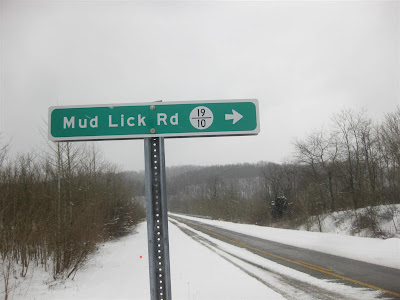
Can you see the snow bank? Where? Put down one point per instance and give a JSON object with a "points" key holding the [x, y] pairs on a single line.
{"points": [[386, 219], [116, 271]]}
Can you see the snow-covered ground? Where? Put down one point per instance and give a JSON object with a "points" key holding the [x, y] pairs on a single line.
{"points": [[201, 268], [383, 220], [120, 271]]}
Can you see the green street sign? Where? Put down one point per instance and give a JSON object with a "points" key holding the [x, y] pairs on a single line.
{"points": [[155, 119]]}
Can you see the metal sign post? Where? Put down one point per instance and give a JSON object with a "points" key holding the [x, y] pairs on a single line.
{"points": [[152, 122], [157, 219]]}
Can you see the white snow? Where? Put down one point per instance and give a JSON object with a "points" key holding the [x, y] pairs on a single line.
{"points": [[198, 273], [115, 272], [371, 250], [387, 218]]}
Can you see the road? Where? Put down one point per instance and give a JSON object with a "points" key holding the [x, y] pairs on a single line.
{"points": [[316, 264]]}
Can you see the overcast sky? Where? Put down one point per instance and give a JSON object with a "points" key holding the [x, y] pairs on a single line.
{"points": [[303, 61]]}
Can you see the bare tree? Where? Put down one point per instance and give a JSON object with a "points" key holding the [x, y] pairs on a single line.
{"points": [[320, 152], [389, 142]]}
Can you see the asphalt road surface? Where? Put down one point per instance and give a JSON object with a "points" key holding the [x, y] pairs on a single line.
{"points": [[317, 264]]}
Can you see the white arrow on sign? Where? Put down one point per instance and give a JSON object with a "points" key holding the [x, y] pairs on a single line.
{"points": [[235, 116]]}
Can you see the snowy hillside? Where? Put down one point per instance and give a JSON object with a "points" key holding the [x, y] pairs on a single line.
{"points": [[380, 221]]}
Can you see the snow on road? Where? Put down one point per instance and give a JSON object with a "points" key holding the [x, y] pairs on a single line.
{"points": [[199, 273], [289, 283], [371, 250]]}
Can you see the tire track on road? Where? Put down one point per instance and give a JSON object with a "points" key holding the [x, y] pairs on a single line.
{"points": [[288, 287]]}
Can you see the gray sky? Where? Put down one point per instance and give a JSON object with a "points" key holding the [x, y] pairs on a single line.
{"points": [[303, 61]]}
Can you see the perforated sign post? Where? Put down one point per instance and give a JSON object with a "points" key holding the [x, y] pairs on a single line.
{"points": [[152, 122]]}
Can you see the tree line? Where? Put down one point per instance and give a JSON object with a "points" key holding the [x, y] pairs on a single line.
{"points": [[56, 205], [352, 164]]}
